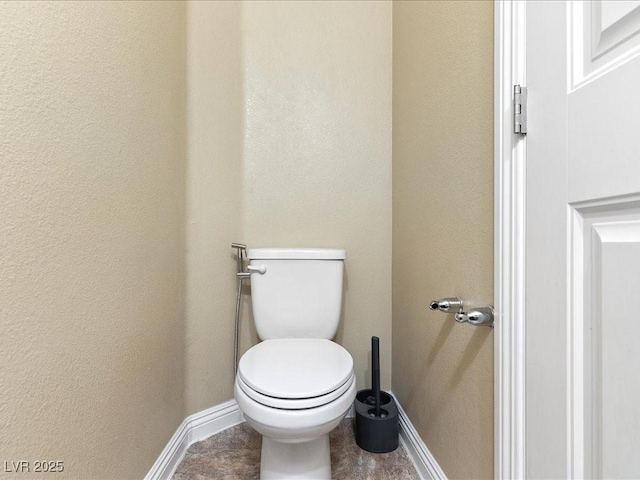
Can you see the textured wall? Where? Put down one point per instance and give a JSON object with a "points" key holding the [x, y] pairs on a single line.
{"points": [[317, 152], [91, 237], [215, 108], [443, 225]]}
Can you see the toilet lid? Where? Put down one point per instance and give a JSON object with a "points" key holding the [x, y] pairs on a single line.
{"points": [[295, 368]]}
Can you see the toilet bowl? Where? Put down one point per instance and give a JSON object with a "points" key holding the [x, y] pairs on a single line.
{"points": [[294, 392]]}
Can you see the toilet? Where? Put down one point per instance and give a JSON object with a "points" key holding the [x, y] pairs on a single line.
{"points": [[296, 385]]}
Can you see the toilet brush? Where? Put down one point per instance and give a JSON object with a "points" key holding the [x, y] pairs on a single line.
{"points": [[376, 411]]}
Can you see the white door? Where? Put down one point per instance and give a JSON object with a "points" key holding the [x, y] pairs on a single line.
{"points": [[583, 240]]}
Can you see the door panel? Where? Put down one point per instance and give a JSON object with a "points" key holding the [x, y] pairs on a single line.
{"points": [[613, 24], [615, 347], [604, 352], [610, 13], [603, 33], [599, 124]]}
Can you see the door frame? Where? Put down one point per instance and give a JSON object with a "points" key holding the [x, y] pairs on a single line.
{"points": [[509, 244]]}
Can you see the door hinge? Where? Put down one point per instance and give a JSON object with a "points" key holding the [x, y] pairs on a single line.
{"points": [[519, 109]]}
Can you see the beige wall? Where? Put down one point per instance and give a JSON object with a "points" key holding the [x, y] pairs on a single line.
{"points": [[91, 237], [289, 108], [215, 105], [317, 154], [443, 226]]}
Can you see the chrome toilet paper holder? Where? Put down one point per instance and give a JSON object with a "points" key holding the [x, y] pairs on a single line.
{"points": [[478, 316]]}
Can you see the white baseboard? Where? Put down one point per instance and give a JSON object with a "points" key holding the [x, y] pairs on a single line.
{"points": [[203, 424], [193, 429], [422, 459]]}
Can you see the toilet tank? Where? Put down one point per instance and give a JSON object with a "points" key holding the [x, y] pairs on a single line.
{"points": [[299, 295]]}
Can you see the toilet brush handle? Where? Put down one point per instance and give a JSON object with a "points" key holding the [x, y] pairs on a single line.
{"points": [[375, 372]]}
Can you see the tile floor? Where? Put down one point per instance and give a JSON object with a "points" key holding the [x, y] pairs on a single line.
{"points": [[235, 454]]}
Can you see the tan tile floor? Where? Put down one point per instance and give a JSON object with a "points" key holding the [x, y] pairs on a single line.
{"points": [[235, 454]]}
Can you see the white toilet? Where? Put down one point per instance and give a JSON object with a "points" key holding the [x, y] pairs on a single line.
{"points": [[296, 385]]}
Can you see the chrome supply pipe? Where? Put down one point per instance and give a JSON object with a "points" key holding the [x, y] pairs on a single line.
{"points": [[240, 276]]}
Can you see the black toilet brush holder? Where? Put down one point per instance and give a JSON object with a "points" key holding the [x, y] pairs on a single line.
{"points": [[377, 425]]}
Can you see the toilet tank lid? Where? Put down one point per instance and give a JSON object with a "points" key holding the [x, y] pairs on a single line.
{"points": [[295, 254]]}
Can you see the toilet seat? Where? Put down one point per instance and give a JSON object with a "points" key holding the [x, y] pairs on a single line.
{"points": [[295, 404], [295, 369], [295, 374]]}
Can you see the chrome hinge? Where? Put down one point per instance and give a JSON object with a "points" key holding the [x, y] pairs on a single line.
{"points": [[519, 109]]}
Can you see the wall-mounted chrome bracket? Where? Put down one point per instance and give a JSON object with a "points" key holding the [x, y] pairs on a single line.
{"points": [[480, 316]]}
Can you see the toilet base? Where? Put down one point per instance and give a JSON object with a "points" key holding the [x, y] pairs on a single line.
{"points": [[306, 460]]}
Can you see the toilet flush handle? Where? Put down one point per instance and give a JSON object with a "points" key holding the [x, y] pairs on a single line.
{"points": [[261, 269]]}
